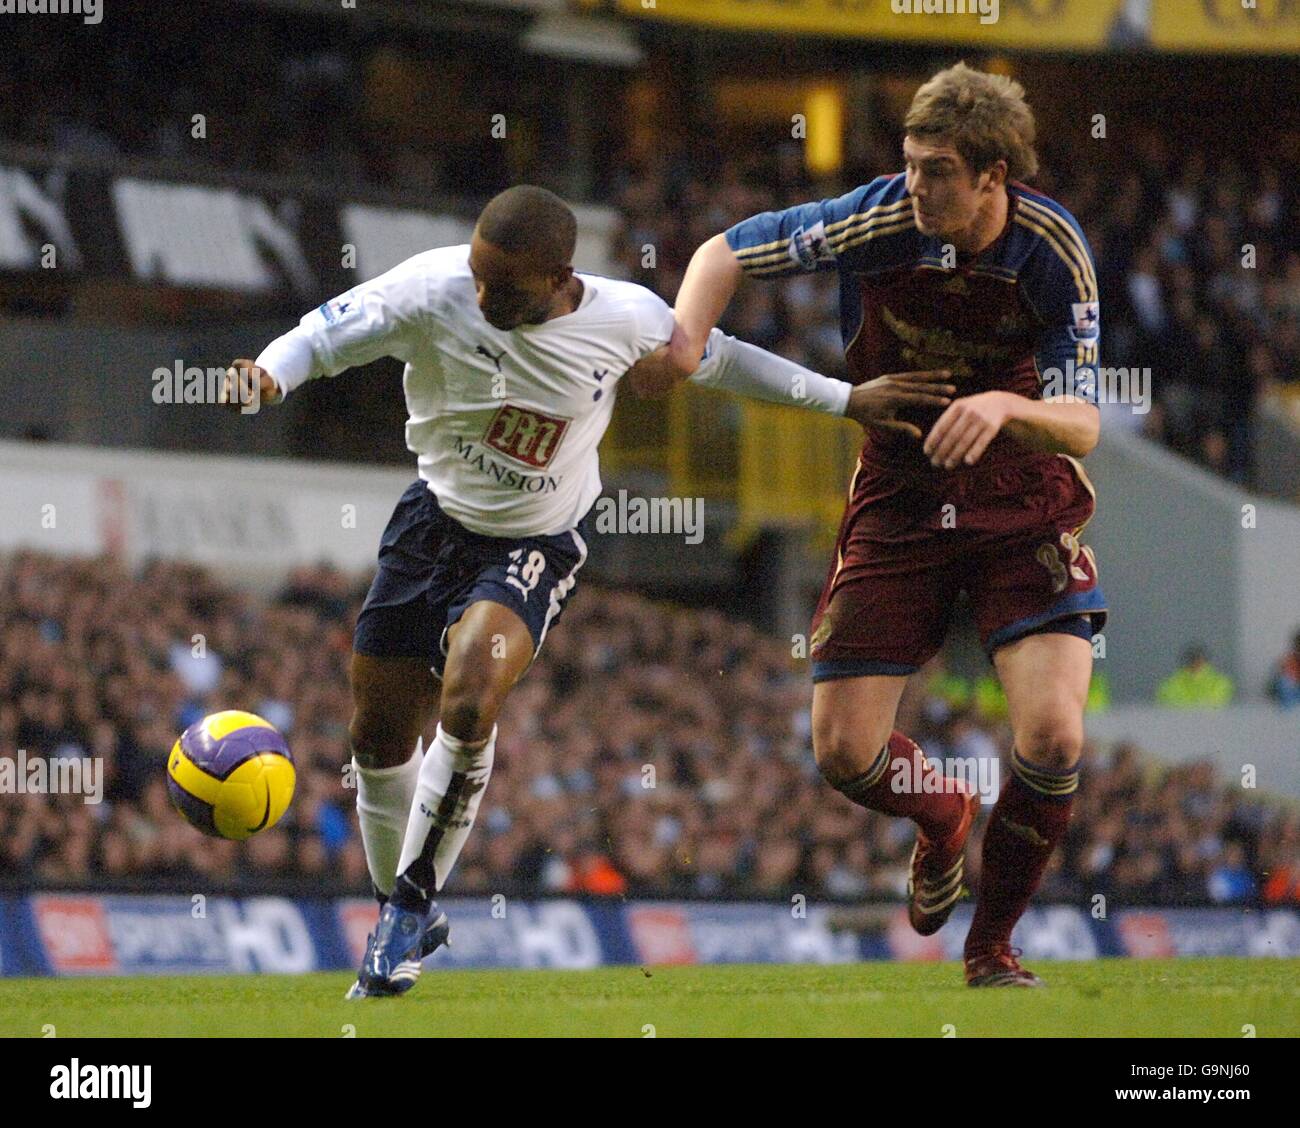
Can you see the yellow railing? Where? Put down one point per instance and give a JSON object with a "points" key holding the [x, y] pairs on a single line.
{"points": [[779, 465], [795, 467]]}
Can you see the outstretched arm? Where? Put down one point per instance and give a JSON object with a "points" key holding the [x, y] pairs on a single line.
{"points": [[745, 369], [378, 318]]}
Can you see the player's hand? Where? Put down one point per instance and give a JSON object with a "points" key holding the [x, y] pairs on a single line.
{"points": [[877, 402], [963, 432], [237, 389], [655, 374]]}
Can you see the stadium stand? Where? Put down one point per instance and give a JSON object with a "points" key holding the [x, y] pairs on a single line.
{"points": [[98, 661]]}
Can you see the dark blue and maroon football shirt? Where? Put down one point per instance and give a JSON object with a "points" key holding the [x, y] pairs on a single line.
{"points": [[1021, 316]]}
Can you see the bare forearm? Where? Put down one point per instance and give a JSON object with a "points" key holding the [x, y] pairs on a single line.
{"points": [[1054, 426], [711, 280]]}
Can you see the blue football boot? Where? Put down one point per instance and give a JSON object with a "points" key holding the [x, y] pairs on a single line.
{"points": [[396, 949]]}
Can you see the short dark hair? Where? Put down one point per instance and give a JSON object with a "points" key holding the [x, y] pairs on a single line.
{"points": [[530, 220]]}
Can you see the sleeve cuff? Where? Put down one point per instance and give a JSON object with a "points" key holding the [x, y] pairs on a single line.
{"points": [[289, 359]]}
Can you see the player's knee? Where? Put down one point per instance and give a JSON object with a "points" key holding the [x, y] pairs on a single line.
{"points": [[844, 751], [376, 744], [474, 688], [830, 752], [468, 718], [469, 708], [1054, 743]]}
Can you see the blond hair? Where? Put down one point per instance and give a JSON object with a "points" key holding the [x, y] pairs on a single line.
{"points": [[984, 116]]}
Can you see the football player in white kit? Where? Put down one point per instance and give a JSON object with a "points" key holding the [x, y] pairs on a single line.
{"points": [[512, 362]]}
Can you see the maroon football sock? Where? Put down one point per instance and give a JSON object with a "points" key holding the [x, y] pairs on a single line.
{"points": [[1027, 822], [902, 781]]}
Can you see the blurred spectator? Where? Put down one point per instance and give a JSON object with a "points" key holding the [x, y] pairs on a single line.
{"points": [[1098, 692], [594, 873], [1231, 881], [990, 699], [197, 667], [1195, 684], [945, 691], [1285, 686]]}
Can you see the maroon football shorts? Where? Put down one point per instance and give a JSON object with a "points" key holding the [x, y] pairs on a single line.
{"points": [[1007, 534]]}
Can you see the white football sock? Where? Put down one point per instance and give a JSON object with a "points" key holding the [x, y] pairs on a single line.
{"points": [[384, 798], [452, 780]]}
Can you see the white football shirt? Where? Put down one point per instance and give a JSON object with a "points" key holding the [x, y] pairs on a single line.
{"points": [[505, 423]]}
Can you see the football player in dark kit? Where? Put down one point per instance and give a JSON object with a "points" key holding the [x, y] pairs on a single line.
{"points": [[985, 290]]}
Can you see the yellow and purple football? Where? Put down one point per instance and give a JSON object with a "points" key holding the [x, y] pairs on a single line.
{"points": [[231, 775]]}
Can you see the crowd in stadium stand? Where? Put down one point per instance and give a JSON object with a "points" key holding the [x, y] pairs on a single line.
{"points": [[651, 750]]}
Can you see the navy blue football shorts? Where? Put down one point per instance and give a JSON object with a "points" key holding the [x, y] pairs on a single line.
{"points": [[431, 568]]}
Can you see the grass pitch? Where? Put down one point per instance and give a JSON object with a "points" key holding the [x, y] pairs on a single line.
{"points": [[1105, 998]]}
